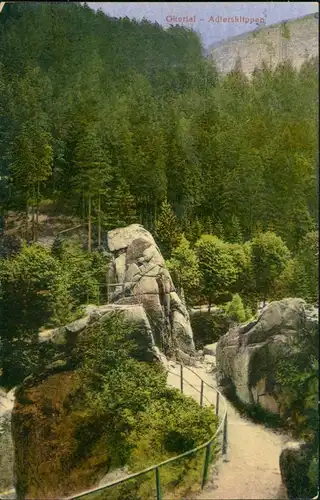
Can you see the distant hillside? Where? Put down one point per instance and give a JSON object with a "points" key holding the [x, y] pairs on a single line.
{"points": [[296, 40]]}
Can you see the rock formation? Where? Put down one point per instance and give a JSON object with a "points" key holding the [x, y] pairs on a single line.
{"points": [[141, 288], [295, 40], [246, 355], [138, 274], [66, 336]]}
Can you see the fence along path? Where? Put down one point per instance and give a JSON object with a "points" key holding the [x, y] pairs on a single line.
{"points": [[252, 469]]}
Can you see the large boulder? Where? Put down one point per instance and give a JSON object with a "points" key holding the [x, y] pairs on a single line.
{"points": [[67, 336], [138, 271], [246, 355]]}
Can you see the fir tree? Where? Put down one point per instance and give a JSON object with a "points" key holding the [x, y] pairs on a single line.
{"points": [[32, 164], [208, 226], [120, 208], [167, 228], [235, 233], [218, 230], [93, 173]]}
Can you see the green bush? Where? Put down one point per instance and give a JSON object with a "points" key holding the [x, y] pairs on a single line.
{"points": [[208, 327], [235, 310]]}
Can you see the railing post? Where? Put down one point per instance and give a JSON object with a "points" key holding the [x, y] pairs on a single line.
{"points": [[181, 378], [206, 466], [225, 439], [158, 484], [201, 394], [217, 403]]}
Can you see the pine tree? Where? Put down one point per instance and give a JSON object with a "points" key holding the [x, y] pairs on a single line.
{"points": [[167, 228], [235, 309], [32, 164], [235, 233], [197, 230], [93, 173], [208, 226], [192, 229], [218, 230], [120, 208]]}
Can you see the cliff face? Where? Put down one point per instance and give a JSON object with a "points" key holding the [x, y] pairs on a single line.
{"points": [[294, 40]]}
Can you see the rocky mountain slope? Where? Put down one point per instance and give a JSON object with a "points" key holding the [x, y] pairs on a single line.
{"points": [[295, 40]]}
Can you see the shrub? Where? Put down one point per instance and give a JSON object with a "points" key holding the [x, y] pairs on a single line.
{"points": [[235, 310]]}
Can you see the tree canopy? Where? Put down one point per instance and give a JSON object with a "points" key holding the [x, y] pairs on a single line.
{"points": [[91, 103]]}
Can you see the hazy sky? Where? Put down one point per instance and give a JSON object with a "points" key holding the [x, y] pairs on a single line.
{"points": [[216, 29]]}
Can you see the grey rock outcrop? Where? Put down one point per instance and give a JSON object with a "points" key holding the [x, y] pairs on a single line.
{"points": [[246, 355], [134, 313], [138, 273], [269, 43], [210, 349]]}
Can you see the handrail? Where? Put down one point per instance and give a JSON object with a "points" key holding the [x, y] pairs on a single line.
{"points": [[207, 444]]}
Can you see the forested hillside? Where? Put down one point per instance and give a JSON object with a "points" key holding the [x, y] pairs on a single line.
{"points": [[111, 117]]}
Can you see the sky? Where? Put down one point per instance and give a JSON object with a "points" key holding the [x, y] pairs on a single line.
{"points": [[210, 19]]}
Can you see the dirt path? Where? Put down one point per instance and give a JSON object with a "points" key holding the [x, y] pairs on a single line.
{"points": [[252, 470]]}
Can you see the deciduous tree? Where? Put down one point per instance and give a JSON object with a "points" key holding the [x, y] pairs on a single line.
{"points": [[217, 268], [269, 258]]}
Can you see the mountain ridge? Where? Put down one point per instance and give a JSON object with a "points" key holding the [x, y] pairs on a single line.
{"points": [[294, 39]]}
